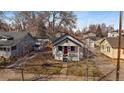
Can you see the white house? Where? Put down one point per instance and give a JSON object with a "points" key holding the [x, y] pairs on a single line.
{"points": [[90, 41], [14, 44], [114, 34], [68, 48], [40, 42], [89, 34]]}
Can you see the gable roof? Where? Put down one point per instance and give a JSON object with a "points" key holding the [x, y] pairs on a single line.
{"points": [[17, 36], [94, 38], [113, 41], [67, 37]]}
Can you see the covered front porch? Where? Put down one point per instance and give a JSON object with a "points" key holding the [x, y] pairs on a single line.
{"points": [[5, 51], [69, 53]]}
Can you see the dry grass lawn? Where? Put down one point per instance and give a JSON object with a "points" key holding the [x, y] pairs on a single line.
{"points": [[84, 68], [42, 64], [93, 70], [45, 69], [74, 68]]}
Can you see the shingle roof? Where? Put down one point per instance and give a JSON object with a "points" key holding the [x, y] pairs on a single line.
{"points": [[69, 37], [113, 41], [17, 36], [94, 38]]}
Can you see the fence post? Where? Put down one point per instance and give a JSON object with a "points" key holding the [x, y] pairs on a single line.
{"points": [[22, 72]]}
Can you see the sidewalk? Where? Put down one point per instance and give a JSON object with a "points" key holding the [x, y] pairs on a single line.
{"points": [[63, 72]]}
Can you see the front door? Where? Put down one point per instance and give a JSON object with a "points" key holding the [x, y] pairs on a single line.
{"points": [[65, 50], [65, 54]]}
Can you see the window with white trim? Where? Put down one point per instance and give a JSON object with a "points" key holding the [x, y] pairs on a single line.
{"points": [[60, 48], [108, 49], [72, 48]]}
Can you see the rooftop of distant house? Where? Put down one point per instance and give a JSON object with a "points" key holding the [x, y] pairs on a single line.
{"points": [[11, 38]]}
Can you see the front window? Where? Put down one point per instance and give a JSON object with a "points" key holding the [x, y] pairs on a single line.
{"points": [[13, 48], [72, 48], [102, 46], [36, 45], [2, 49], [108, 49], [60, 48], [7, 49]]}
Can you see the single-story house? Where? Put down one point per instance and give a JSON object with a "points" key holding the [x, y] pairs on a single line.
{"points": [[98, 42], [88, 34], [114, 34], [14, 44], [68, 48], [40, 42], [90, 41], [109, 47]]}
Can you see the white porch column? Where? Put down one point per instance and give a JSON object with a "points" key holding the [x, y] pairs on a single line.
{"points": [[78, 54]]}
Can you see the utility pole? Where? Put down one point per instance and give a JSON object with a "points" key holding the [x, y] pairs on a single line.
{"points": [[119, 47]]}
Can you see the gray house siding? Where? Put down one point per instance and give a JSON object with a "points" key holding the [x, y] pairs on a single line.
{"points": [[5, 53], [22, 47]]}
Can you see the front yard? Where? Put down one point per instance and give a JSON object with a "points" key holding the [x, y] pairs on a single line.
{"points": [[42, 64], [44, 69], [86, 68]]}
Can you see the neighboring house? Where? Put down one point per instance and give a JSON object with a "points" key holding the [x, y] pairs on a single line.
{"points": [[114, 34], [90, 41], [15, 43], [40, 42], [68, 48], [89, 34], [98, 42], [109, 47]]}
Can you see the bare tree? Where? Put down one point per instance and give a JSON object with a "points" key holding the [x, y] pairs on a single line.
{"points": [[3, 25], [59, 21], [38, 21]]}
